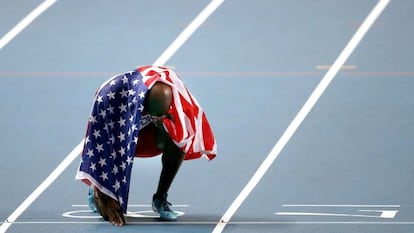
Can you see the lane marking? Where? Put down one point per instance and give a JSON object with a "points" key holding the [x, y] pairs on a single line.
{"points": [[213, 5], [356, 206], [294, 125], [25, 22], [188, 31], [230, 223], [383, 214], [133, 205]]}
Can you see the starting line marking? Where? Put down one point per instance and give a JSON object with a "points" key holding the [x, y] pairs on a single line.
{"points": [[147, 212]]}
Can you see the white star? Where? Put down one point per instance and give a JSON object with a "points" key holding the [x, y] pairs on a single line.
{"points": [[121, 137], [130, 160], [123, 166], [110, 109], [122, 151], [111, 95], [121, 122], [87, 140], [134, 100], [102, 162], [141, 107], [124, 79], [113, 155], [141, 94], [90, 153], [115, 170], [112, 139], [96, 133], [134, 127], [99, 99], [131, 118], [99, 147], [116, 186], [103, 113], [112, 124], [123, 108], [131, 92], [123, 93], [104, 176], [124, 180], [93, 119], [135, 82], [113, 82], [93, 166], [120, 200]]}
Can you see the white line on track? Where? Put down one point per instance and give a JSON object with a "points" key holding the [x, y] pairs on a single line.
{"points": [[168, 53], [351, 206], [25, 22], [304, 111], [230, 223]]}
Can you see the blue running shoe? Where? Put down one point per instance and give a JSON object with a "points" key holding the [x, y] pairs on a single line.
{"points": [[91, 202], [162, 206]]}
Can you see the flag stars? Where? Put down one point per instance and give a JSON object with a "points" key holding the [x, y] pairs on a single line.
{"points": [[112, 83], [104, 176], [110, 109], [112, 139], [121, 202], [123, 107], [141, 108], [93, 167], [111, 95], [90, 153], [93, 120], [141, 94], [99, 99], [103, 113], [115, 170], [113, 154], [135, 82], [123, 93], [124, 79], [121, 137], [102, 162], [116, 186], [130, 160], [123, 166], [131, 92], [99, 147], [121, 122], [96, 133], [122, 151]]}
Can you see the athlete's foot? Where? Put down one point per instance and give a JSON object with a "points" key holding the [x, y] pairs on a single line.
{"points": [[109, 208]]}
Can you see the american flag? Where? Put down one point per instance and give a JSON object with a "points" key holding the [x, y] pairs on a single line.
{"points": [[116, 119]]}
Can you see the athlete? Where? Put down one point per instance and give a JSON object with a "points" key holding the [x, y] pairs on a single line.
{"points": [[142, 113]]}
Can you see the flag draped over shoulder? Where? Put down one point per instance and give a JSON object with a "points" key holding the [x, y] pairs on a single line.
{"points": [[115, 122]]}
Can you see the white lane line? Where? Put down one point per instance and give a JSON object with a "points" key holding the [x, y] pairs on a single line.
{"points": [[41, 188], [351, 206], [134, 205], [230, 223], [188, 31], [304, 111], [25, 22], [207, 11]]}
